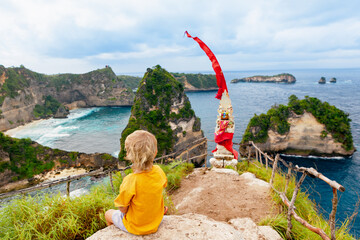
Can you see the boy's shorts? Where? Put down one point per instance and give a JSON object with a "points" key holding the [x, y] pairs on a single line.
{"points": [[117, 218]]}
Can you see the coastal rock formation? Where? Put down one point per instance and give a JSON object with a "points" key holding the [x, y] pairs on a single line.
{"points": [[322, 80], [304, 127], [22, 89], [305, 137], [280, 78], [162, 108], [333, 80], [23, 158]]}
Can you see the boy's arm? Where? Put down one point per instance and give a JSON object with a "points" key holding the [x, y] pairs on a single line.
{"points": [[124, 209]]}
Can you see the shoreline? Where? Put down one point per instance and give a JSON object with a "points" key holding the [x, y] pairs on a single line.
{"points": [[11, 132], [42, 178]]}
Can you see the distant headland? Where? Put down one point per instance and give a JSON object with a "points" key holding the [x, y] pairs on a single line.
{"points": [[279, 78]]}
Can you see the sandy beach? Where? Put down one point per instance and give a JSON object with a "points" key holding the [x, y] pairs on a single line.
{"points": [[13, 131], [58, 174]]}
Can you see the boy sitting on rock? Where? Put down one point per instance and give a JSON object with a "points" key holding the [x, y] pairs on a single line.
{"points": [[140, 201]]}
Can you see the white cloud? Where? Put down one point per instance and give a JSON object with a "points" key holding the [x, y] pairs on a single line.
{"points": [[77, 36]]}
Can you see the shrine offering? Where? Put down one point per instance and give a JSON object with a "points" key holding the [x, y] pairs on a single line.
{"points": [[224, 154]]}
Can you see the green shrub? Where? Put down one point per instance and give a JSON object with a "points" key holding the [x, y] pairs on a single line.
{"points": [[336, 121], [49, 108]]}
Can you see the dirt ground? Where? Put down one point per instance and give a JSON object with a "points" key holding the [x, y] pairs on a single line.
{"points": [[223, 196]]}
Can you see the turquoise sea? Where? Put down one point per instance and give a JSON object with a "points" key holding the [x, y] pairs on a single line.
{"points": [[99, 129]]}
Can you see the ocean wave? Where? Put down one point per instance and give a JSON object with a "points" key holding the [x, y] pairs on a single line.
{"points": [[313, 157], [115, 154], [79, 113]]}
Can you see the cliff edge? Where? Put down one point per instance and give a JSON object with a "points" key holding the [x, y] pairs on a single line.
{"points": [[216, 211]]}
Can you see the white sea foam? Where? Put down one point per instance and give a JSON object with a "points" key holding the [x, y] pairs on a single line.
{"points": [[310, 156], [78, 192], [115, 154], [78, 113]]}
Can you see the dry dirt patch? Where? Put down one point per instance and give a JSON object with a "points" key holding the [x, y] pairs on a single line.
{"points": [[223, 196]]}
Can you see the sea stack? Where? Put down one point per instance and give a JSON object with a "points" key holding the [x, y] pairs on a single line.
{"points": [[333, 80], [162, 108], [322, 80]]}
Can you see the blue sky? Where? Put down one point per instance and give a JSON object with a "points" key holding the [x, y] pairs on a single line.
{"points": [[58, 36]]}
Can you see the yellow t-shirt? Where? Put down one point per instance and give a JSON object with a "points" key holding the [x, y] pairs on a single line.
{"points": [[142, 192]]}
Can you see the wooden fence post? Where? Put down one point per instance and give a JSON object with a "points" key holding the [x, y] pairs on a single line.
{"points": [[68, 188], [257, 154], [333, 213], [266, 159], [292, 202], [288, 175], [111, 181], [274, 169], [249, 152]]}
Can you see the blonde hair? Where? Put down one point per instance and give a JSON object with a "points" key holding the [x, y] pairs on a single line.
{"points": [[141, 148]]}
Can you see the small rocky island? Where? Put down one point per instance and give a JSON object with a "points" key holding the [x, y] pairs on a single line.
{"points": [[162, 108], [322, 80], [333, 80], [279, 78], [303, 127]]}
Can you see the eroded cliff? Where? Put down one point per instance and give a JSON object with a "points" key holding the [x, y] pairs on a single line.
{"points": [[304, 127], [22, 89]]}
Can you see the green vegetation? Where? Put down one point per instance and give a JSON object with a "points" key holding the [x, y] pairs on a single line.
{"points": [[49, 108], [336, 121], [130, 81], [58, 217], [305, 208], [202, 81], [277, 75], [19, 78], [152, 109], [23, 157]]}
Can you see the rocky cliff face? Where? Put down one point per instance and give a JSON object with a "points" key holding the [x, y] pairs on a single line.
{"points": [[161, 107], [36, 159], [22, 89], [280, 78], [305, 137]]}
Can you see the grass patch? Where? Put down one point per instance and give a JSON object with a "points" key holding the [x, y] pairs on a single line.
{"points": [[305, 207], [59, 217]]}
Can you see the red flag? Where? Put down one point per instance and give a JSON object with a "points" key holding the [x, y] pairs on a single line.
{"points": [[220, 79]]}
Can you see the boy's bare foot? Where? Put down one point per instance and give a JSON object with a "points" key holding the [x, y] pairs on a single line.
{"points": [[165, 209]]}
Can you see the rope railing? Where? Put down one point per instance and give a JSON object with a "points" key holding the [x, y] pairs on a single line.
{"points": [[259, 155]]}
